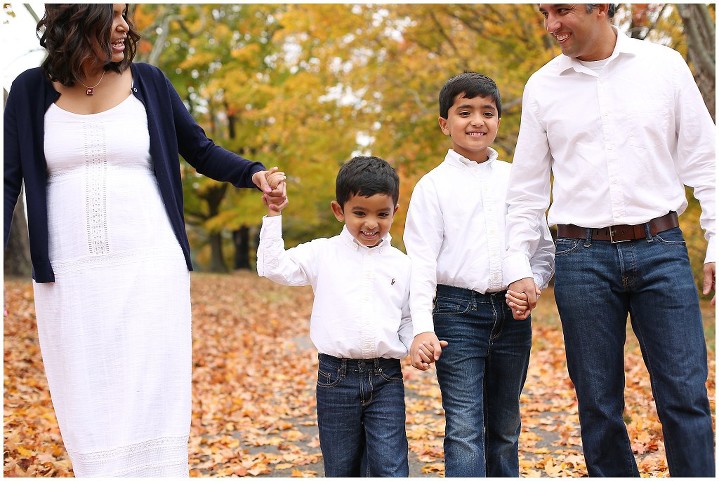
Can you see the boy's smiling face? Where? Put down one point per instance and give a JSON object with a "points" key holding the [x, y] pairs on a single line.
{"points": [[368, 219], [472, 124]]}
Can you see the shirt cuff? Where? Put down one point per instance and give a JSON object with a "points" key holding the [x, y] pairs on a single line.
{"points": [[422, 323], [711, 250], [271, 227], [516, 267]]}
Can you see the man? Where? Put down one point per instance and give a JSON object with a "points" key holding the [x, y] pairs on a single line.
{"points": [[621, 125]]}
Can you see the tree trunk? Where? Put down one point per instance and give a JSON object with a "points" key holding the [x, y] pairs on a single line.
{"points": [[214, 196], [700, 35], [241, 238], [17, 254], [217, 259]]}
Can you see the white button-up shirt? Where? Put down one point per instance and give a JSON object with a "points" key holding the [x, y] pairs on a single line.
{"points": [[455, 230], [361, 305], [621, 143]]}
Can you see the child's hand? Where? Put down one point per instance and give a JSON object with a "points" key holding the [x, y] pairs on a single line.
{"points": [[276, 197], [519, 304], [426, 348], [275, 209]]}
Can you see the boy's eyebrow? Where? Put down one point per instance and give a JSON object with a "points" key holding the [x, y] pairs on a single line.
{"points": [[484, 106]]}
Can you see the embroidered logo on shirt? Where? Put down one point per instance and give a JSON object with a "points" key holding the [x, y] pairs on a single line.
{"points": [[392, 283]]}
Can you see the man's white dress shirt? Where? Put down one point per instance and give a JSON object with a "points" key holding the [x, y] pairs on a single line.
{"points": [[361, 305], [621, 140], [455, 231]]}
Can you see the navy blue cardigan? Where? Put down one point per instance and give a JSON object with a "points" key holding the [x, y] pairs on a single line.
{"points": [[172, 129]]}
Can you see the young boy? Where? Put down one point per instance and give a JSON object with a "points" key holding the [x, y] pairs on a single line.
{"points": [[454, 235], [360, 321]]}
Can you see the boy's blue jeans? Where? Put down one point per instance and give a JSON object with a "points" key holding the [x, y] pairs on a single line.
{"points": [[481, 374], [361, 417], [597, 284]]}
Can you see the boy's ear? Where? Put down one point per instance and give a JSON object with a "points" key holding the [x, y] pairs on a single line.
{"points": [[396, 208], [443, 125], [337, 211]]}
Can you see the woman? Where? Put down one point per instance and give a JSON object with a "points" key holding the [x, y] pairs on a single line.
{"points": [[95, 139]]}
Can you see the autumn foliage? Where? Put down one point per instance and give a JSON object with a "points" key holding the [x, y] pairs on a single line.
{"points": [[253, 391]]}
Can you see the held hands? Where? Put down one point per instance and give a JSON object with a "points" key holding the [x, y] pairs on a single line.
{"points": [[426, 348], [522, 296], [517, 301], [274, 191]]}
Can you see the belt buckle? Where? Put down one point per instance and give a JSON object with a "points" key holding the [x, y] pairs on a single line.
{"points": [[611, 236]]}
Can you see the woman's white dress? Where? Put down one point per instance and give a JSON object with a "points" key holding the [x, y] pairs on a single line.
{"points": [[114, 327]]}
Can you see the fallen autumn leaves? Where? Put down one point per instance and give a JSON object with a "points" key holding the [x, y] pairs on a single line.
{"points": [[253, 391]]}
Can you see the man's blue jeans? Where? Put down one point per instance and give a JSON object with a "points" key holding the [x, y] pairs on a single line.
{"points": [[597, 283], [361, 417], [481, 374]]}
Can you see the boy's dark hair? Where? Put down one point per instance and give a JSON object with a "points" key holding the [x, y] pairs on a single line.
{"points": [[366, 176], [471, 84]]}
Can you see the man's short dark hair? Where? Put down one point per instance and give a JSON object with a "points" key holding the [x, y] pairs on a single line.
{"points": [[366, 176], [472, 85], [610, 12]]}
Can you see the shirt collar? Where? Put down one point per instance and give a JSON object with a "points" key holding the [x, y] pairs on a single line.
{"points": [[453, 156], [624, 45], [350, 241]]}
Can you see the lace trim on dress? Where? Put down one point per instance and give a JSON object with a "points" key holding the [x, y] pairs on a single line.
{"points": [[95, 189], [156, 457]]}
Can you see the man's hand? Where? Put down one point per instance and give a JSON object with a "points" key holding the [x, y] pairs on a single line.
{"points": [[710, 280], [426, 348]]}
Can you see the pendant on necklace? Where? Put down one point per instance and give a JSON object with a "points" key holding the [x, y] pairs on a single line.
{"points": [[89, 91]]}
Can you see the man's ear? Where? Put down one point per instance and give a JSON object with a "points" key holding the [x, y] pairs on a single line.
{"points": [[603, 8], [443, 125], [337, 211]]}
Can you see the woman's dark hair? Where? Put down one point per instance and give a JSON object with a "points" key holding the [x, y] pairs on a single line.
{"points": [[74, 33], [366, 176]]}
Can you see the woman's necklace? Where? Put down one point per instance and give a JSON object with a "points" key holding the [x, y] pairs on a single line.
{"points": [[91, 90]]}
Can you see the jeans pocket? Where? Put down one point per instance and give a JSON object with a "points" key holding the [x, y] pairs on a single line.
{"points": [[564, 245], [671, 237], [393, 373], [329, 377], [450, 305]]}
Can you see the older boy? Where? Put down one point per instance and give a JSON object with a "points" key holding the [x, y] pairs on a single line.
{"points": [[454, 235], [360, 321]]}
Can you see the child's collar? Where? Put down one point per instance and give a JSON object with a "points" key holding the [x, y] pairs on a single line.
{"points": [[493, 155]]}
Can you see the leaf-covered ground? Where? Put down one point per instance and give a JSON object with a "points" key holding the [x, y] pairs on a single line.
{"points": [[253, 391]]}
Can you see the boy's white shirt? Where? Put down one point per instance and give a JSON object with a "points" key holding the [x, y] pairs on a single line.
{"points": [[361, 306], [455, 233]]}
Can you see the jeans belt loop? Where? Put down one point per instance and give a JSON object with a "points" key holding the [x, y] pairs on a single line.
{"points": [[648, 231]]}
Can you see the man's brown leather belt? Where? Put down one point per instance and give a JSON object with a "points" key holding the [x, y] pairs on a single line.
{"points": [[621, 233]]}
